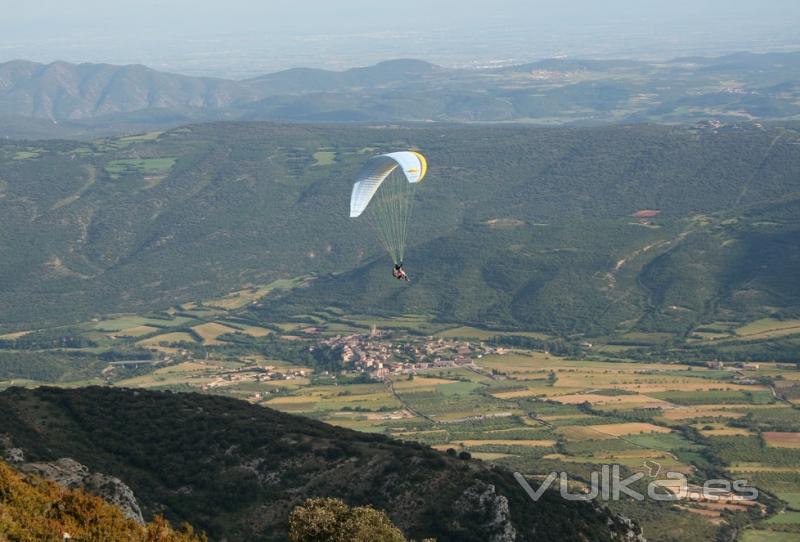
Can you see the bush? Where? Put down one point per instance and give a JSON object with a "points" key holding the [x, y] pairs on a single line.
{"points": [[331, 520]]}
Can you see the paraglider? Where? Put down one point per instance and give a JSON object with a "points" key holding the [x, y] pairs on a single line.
{"points": [[399, 273], [387, 200]]}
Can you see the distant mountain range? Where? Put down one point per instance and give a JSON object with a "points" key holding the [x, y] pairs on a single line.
{"points": [[68, 100], [61, 91]]}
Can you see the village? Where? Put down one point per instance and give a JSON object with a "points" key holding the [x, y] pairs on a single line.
{"points": [[380, 355]]}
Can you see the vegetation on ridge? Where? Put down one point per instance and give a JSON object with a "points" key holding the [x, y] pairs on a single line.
{"points": [[32, 509]]}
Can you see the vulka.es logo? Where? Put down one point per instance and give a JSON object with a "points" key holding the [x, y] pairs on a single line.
{"points": [[609, 485]]}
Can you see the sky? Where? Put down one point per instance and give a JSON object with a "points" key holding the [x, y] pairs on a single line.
{"points": [[244, 38]]}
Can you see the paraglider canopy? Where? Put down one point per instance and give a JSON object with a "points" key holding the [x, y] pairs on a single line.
{"points": [[390, 198], [376, 171]]}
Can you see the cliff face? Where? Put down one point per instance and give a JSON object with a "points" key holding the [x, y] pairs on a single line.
{"points": [[237, 470], [482, 500], [70, 474]]}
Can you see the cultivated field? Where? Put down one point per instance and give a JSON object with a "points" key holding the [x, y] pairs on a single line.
{"points": [[781, 440]]}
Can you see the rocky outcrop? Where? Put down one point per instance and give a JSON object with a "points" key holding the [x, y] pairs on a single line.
{"points": [[482, 501], [625, 529], [70, 474], [8, 452]]}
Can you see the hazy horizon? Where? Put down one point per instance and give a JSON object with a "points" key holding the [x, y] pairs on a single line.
{"points": [[235, 39]]}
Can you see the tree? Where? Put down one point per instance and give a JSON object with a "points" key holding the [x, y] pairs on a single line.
{"points": [[331, 520]]}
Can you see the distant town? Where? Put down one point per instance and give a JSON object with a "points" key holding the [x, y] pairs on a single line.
{"points": [[379, 356]]}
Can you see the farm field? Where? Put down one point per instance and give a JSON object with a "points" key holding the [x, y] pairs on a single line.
{"points": [[768, 327], [769, 536], [324, 157], [210, 331], [781, 440], [119, 168], [241, 298], [468, 332]]}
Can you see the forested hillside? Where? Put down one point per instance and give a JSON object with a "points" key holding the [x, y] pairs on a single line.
{"points": [[515, 227], [590, 276], [237, 470]]}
